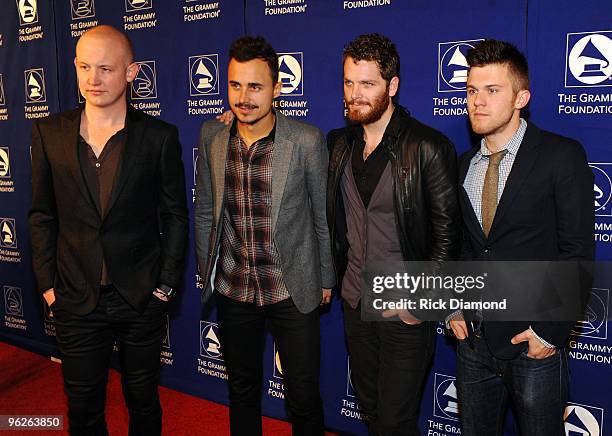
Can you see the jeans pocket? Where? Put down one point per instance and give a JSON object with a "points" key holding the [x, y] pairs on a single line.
{"points": [[528, 358]]}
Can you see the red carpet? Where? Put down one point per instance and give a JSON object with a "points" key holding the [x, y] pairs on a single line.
{"points": [[31, 384]]}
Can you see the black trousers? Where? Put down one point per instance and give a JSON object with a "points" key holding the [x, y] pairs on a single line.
{"points": [[389, 364], [242, 330], [86, 344]]}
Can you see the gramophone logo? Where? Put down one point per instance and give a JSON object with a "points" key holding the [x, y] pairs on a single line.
{"points": [[35, 91], [166, 338], [594, 320], [195, 166], [204, 75], [28, 12], [588, 59], [291, 73], [13, 303], [210, 346], [144, 85], [602, 188], [452, 65], [350, 390], [278, 368], [82, 9], [2, 98], [445, 397], [8, 235], [5, 163], [137, 5], [583, 420]]}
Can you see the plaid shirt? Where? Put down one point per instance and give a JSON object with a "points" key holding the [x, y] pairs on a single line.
{"points": [[249, 267], [474, 179]]}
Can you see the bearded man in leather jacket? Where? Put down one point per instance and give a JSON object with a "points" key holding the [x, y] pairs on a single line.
{"points": [[391, 196]]}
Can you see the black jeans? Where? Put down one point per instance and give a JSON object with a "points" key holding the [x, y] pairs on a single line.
{"points": [[86, 344], [242, 330], [389, 364], [538, 389]]}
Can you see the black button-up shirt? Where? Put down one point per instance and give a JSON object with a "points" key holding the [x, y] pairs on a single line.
{"points": [[100, 174]]}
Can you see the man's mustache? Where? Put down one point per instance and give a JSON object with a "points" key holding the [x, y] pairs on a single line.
{"points": [[245, 106], [357, 103]]}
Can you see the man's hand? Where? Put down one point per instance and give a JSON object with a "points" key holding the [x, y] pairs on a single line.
{"points": [[159, 294], [226, 118], [459, 328], [536, 350], [403, 314], [326, 296], [49, 296]]}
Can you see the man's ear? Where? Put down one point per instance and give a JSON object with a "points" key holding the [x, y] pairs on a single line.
{"points": [[393, 86], [131, 72], [522, 98], [277, 89]]}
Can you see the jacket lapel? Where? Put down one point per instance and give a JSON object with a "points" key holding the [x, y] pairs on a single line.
{"points": [[136, 129], [469, 216], [71, 124], [217, 159], [281, 160], [523, 164]]}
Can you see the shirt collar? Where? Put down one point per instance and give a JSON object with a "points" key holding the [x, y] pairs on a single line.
{"points": [[512, 145]]}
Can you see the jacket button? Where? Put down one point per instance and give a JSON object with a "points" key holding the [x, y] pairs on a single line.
{"points": [[487, 249]]}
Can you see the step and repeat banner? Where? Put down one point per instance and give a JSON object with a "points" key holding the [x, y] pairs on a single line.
{"points": [[182, 48], [570, 56]]}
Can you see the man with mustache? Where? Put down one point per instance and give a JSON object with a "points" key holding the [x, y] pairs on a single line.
{"points": [[391, 196], [262, 240]]}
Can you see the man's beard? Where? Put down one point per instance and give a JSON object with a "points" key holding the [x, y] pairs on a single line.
{"points": [[378, 106]]}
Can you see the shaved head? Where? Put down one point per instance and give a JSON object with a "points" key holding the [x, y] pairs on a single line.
{"points": [[112, 36], [105, 68]]}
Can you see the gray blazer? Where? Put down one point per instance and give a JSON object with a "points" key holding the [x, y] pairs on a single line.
{"points": [[299, 224]]}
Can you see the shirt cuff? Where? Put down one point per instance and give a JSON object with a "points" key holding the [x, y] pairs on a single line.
{"points": [[450, 317], [546, 344]]}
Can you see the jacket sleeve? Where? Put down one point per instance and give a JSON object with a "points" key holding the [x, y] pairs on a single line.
{"points": [[573, 191], [172, 211], [203, 211], [316, 180], [440, 190], [42, 218]]}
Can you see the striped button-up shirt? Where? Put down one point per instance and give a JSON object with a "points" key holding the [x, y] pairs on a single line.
{"points": [[474, 180], [249, 267]]}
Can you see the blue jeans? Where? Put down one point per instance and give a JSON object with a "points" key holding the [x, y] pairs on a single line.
{"points": [[537, 388]]}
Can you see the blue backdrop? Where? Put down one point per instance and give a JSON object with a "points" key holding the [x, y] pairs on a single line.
{"points": [[182, 48]]}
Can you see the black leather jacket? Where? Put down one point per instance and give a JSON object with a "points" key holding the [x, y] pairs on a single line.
{"points": [[424, 169]]}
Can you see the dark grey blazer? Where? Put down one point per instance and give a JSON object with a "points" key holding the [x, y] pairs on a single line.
{"points": [[299, 225]]}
